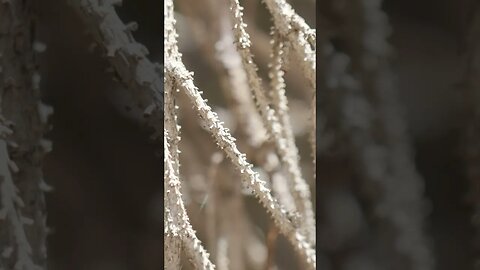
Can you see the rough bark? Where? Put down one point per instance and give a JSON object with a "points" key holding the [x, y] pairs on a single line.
{"points": [[23, 229]]}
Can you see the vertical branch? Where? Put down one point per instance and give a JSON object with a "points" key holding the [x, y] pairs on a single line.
{"points": [[242, 40], [242, 103], [177, 215], [176, 72], [172, 238], [371, 116], [227, 143], [23, 122], [219, 50], [302, 40], [177, 221], [300, 189]]}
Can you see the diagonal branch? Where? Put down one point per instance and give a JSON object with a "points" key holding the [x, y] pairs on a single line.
{"points": [[177, 221], [302, 40], [294, 28], [176, 72], [128, 57], [300, 188]]}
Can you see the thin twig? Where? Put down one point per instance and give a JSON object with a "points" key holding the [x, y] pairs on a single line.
{"points": [[226, 142], [176, 215], [177, 73], [298, 186], [298, 33], [302, 40], [300, 189]]}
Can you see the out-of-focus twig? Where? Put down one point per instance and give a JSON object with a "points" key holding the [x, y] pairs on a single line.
{"points": [[128, 57], [300, 189], [370, 116], [23, 122]]}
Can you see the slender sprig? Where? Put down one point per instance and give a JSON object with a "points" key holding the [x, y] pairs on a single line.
{"points": [[176, 72]]}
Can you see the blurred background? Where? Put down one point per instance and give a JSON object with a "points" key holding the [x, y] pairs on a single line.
{"points": [[433, 45], [106, 208]]}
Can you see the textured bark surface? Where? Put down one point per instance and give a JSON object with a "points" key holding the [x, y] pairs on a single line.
{"points": [[23, 113], [128, 58]]}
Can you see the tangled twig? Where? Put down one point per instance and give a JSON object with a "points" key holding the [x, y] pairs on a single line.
{"points": [[176, 72]]}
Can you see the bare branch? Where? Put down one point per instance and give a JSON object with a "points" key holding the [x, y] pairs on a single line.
{"points": [[128, 57]]}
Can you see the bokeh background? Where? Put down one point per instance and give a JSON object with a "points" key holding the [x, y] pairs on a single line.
{"points": [[432, 46]]}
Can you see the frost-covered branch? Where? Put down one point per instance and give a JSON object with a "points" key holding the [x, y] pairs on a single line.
{"points": [[300, 188], [302, 41], [226, 142], [301, 38], [176, 72], [177, 224], [289, 152], [128, 57]]}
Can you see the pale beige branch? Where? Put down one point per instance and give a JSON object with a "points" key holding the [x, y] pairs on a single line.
{"points": [[302, 40], [298, 33], [226, 142], [182, 79], [300, 189], [289, 152], [177, 220]]}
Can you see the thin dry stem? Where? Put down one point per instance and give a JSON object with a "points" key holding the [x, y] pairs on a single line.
{"points": [[300, 189], [177, 220], [228, 66], [243, 43], [302, 39], [243, 105], [226, 142], [298, 186], [298, 33], [177, 73]]}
